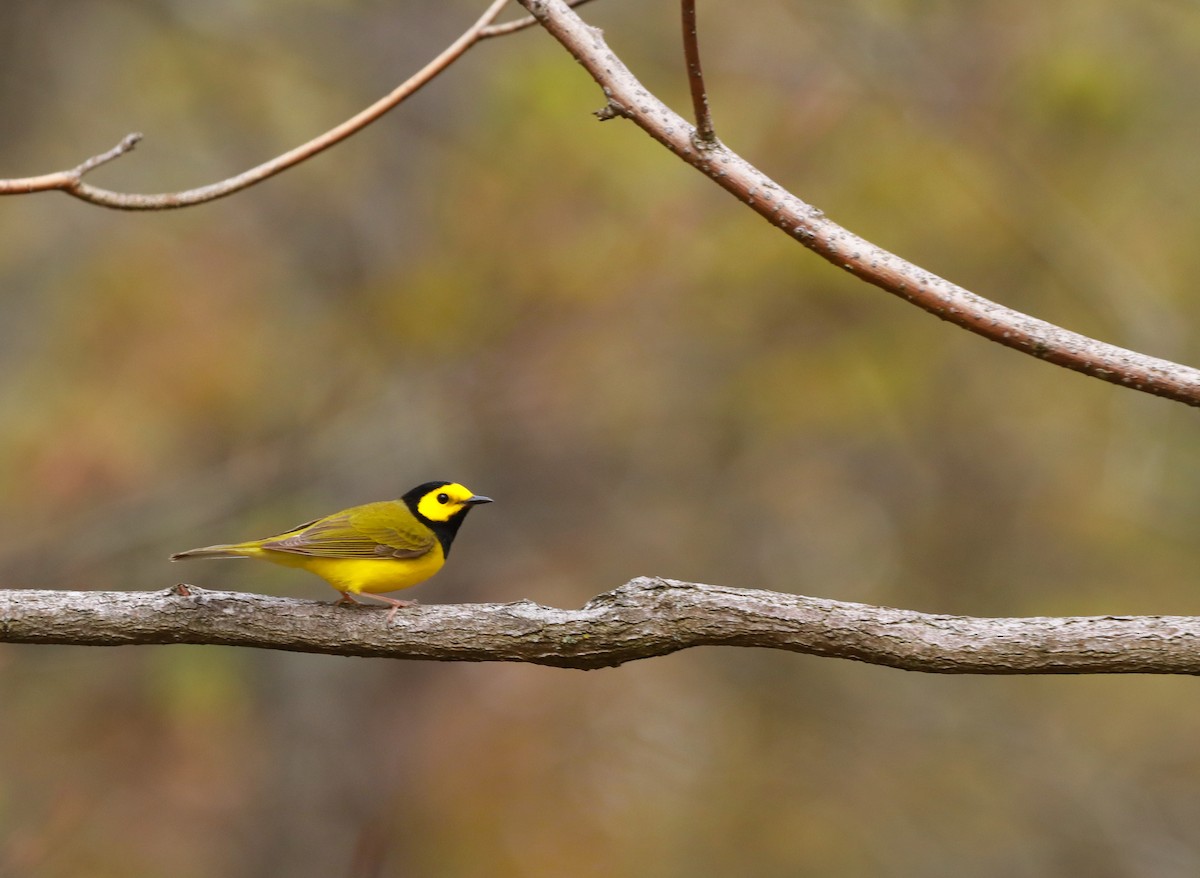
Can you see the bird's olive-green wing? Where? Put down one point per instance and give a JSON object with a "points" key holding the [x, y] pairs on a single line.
{"points": [[376, 530]]}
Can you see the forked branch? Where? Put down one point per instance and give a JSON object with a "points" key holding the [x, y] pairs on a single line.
{"points": [[627, 97], [511, 27], [643, 618]]}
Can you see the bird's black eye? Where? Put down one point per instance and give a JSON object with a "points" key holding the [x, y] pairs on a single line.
{"points": [[443, 498]]}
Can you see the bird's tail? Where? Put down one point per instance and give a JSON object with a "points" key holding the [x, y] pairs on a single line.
{"points": [[225, 551]]}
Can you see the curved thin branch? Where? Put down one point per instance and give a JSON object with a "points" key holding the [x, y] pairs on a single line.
{"points": [[627, 97], [72, 181], [643, 618]]}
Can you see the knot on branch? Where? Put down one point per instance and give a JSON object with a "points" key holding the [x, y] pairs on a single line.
{"points": [[612, 110]]}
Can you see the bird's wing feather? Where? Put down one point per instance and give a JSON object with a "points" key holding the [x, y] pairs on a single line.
{"points": [[371, 531]]}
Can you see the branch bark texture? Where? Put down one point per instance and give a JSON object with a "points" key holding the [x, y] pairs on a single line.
{"points": [[628, 98], [644, 618]]}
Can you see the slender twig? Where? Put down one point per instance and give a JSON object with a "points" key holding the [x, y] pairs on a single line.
{"points": [[128, 142], [643, 618], [628, 98], [705, 136], [72, 182], [511, 27]]}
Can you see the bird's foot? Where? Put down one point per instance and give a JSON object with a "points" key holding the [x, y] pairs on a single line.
{"points": [[396, 605]]}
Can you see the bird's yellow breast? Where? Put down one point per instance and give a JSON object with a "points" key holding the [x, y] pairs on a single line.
{"points": [[358, 575]]}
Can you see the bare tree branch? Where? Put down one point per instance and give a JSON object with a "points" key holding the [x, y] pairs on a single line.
{"points": [[643, 618], [72, 181], [627, 97], [705, 135]]}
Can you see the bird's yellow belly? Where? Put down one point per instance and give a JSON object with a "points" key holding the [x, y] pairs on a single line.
{"points": [[358, 575]]}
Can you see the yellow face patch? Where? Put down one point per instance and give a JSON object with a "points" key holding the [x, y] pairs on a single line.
{"points": [[442, 504]]}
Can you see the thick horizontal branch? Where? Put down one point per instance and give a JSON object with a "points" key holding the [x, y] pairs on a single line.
{"points": [[643, 618], [628, 98]]}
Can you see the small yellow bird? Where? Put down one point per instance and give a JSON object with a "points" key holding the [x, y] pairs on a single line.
{"points": [[376, 547]]}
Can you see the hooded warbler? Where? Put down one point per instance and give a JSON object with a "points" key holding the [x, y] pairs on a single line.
{"points": [[376, 547]]}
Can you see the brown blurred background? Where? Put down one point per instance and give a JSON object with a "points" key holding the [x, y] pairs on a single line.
{"points": [[491, 287]]}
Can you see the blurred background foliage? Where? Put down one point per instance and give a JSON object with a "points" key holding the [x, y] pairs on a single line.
{"points": [[488, 286]]}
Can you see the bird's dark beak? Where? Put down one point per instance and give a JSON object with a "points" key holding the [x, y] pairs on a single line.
{"points": [[476, 499]]}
